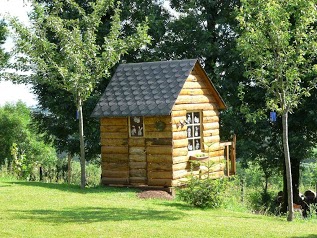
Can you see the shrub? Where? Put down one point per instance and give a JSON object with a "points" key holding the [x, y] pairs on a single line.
{"points": [[204, 193]]}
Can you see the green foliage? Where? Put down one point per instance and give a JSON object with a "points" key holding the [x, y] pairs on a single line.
{"points": [[23, 150], [93, 172], [4, 56], [278, 43], [204, 193]]}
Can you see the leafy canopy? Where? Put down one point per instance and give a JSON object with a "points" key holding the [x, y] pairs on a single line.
{"points": [[278, 44], [73, 60]]}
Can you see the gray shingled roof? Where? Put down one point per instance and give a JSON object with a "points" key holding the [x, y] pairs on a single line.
{"points": [[144, 89]]}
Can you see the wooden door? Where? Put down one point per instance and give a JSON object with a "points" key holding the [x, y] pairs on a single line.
{"points": [[137, 161]]}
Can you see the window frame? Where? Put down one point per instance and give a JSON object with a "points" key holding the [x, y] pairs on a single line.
{"points": [[135, 124], [191, 124]]}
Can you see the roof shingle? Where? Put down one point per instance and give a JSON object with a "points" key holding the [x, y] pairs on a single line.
{"points": [[144, 89]]}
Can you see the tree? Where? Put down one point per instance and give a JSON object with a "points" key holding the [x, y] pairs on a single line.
{"points": [[73, 62], [21, 146], [278, 43], [4, 56]]}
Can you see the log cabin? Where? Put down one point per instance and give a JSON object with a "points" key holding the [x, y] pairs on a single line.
{"points": [[155, 119]]}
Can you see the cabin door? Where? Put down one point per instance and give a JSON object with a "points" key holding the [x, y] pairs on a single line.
{"points": [[137, 161]]}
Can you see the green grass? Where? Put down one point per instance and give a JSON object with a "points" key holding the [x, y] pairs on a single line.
{"points": [[32, 209]]}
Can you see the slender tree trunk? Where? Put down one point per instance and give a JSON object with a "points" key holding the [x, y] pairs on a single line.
{"points": [[69, 168], [82, 144], [290, 215]]}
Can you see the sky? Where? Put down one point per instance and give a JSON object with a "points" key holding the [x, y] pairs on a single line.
{"points": [[10, 92]]}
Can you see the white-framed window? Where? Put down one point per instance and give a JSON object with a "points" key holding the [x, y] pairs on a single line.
{"points": [[193, 121], [136, 126]]}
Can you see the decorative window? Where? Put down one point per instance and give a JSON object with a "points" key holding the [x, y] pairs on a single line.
{"points": [[136, 127], [193, 130]]}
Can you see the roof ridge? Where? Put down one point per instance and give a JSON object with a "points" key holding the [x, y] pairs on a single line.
{"points": [[160, 61]]}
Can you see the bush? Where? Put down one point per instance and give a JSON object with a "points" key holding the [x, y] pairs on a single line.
{"points": [[204, 193]]}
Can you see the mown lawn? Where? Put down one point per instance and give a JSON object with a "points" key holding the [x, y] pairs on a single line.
{"points": [[32, 209]]}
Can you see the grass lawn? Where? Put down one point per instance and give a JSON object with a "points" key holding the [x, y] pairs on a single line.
{"points": [[32, 209]]}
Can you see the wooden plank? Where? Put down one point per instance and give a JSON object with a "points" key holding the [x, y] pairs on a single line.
{"points": [[114, 128], [194, 85], [211, 139], [115, 158], [113, 135], [159, 182], [180, 113], [137, 157], [137, 150], [114, 121], [159, 150], [158, 134], [212, 132], [179, 166], [153, 120], [195, 107], [210, 126], [196, 99], [210, 113], [182, 143], [153, 128], [137, 165], [114, 149], [180, 152], [138, 180], [159, 166], [158, 141], [107, 180], [115, 174], [114, 166], [180, 135], [137, 173], [159, 158], [160, 175], [180, 159], [194, 91], [136, 141], [115, 142], [210, 119]]}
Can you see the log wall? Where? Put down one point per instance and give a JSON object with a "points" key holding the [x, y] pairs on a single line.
{"points": [[134, 160], [196, 95], [114, 150]]}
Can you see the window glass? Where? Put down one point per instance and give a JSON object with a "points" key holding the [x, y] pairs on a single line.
{"points": [[136, 127], [193, 130]]}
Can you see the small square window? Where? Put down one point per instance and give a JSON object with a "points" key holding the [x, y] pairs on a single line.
{"points": [[136, 127]]}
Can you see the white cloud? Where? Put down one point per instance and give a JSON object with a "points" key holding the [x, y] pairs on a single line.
{"points": [[10, 92]]}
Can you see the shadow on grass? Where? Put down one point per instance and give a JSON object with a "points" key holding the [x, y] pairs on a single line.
{"points": [[74, 188], [95, 214]]}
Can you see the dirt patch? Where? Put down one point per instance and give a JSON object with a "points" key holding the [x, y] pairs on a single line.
{"points": [[155, 194]]}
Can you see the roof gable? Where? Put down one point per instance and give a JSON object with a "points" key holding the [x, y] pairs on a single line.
{"points": [[144, 89]]}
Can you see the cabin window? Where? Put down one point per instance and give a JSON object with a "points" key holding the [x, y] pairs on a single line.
{"points": [[136, 126], [193, 121]]}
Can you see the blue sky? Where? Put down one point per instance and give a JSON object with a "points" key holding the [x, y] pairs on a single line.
{"points": [[8, 91]]}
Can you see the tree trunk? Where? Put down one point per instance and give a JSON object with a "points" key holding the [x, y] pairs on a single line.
{"points": [[290, 215], [69, 168], [82, 144]]}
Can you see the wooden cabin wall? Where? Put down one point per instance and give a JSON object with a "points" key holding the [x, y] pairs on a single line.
{"points": [[136, 160], [114, 150], [158, 151], [196, 96]]}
